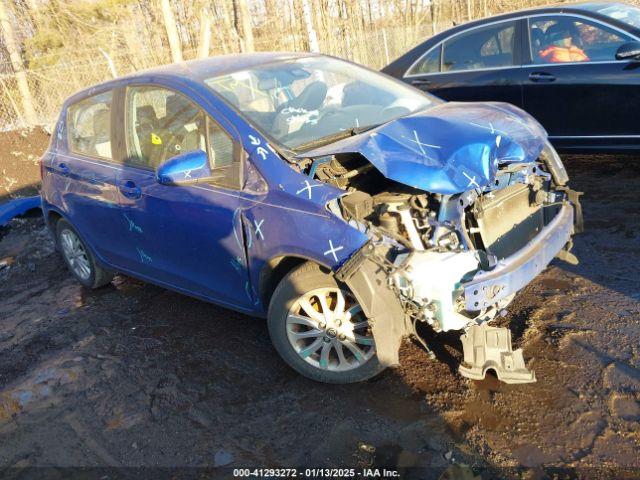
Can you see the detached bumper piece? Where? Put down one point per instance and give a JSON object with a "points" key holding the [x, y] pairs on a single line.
{"points": [[489, 348]]}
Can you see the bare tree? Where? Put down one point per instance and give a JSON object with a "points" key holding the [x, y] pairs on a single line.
{"points": [[17, 64], [204, 39], [172, 31], [312, 36], [242, 19]]}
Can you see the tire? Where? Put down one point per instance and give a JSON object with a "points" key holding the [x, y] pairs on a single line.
{"points": [[79, 258], [319, 346]]}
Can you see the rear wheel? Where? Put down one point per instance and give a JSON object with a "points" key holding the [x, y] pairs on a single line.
{"points": [[79, 258], [318, 328]]}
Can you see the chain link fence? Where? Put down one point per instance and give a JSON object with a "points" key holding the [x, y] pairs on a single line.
{"points": [[51, 85]]}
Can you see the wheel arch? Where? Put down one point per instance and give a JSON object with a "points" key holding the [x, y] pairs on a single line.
{"points": [[51, 217], [276, 268]]}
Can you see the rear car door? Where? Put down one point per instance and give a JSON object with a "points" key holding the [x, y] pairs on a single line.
{"points": [[85, 172], [479, 64], [187, 237], [581, 94]]}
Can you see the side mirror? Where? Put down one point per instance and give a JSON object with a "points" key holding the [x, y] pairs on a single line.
{"points": [[629, 51], [185, 169]]}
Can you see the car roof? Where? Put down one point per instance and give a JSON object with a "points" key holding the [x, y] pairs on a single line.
{"points": [[221, 64], [197, 70]]}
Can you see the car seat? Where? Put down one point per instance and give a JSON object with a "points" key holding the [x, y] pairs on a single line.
{"points": [[537, 40], [311, 98], [146, 125], [102, 133]]}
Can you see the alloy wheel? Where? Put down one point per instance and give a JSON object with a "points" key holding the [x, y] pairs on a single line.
{"points": [[75, 254], [327, 328]]}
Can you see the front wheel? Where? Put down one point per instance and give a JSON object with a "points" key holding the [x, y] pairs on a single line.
{"points": [[318, 328]]}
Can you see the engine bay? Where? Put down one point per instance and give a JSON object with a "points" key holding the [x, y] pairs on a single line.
{"points": [[442, 241]]}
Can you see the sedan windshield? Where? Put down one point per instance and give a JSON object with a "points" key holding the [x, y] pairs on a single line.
{"points": [[307, 100], [619, 11]]}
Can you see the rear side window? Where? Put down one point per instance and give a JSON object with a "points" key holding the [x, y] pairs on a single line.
{"points": [[486, 47], [430, 63], [89, 123]]}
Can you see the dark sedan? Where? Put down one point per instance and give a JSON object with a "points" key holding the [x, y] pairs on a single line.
{"points": [[575, 68]]}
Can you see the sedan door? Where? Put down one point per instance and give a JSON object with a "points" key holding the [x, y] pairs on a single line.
{"points": [[576, 88], [187, 237], [479, 64]]}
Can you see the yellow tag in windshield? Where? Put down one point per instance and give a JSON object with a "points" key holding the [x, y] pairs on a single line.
{"points": [[155, 139]]}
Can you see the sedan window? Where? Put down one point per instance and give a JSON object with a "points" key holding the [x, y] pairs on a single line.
{"points": [[430, 63], [628, 14], [485, 47], [90, 126], [562, 39]]}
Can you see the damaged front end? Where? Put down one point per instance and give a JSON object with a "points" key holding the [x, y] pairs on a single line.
{"points": [[453, 257]]}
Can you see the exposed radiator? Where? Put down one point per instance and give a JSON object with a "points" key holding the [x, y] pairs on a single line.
{"points": [[508, 219]]}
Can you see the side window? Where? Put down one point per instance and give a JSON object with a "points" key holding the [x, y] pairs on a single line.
{"points": [[562, 39], [430, 63], [226, 166], [486, 47], [161, 124], [89, 126], [220, 147]]}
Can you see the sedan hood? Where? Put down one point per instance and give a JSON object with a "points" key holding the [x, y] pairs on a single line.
{"points": [[449, 148]]}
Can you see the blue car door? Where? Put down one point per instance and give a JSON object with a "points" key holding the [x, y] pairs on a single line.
{"points": [[187, 237], [85, 172]]}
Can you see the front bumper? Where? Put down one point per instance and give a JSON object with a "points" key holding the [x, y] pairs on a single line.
{"points": [[516, 271]]}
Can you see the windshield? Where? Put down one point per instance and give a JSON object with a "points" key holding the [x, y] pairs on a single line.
{"points": [[301, 101], [624, 13]]}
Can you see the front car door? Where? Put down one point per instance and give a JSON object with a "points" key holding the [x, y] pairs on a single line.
{"points": [[187, 237], [575, 87], [479, 64]]}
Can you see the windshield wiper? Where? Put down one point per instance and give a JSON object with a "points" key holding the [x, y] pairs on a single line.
{"points": [[334, 137]]}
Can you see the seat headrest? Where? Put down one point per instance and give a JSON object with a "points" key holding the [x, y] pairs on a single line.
{"points": [[101, 125], [146, 113], [311, 98]]}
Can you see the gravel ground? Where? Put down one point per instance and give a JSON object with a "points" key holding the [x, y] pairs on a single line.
{"points": [[135, 375]]}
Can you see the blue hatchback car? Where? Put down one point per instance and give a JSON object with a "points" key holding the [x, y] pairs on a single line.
{"points": [[341, 204]]}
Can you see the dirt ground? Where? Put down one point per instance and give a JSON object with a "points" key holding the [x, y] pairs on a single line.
{"points": [[19, 168], [135, 375]]}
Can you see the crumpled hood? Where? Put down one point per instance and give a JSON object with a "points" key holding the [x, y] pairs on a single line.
{"points": [[448, 148]]}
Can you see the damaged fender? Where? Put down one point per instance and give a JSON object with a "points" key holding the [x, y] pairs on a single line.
{"points": [[369, 283]]}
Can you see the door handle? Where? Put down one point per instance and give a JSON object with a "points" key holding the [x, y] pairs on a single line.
{"points": [[129, 189], [541, 77], [63, 169], [420, 83]]}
